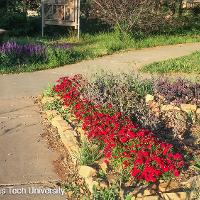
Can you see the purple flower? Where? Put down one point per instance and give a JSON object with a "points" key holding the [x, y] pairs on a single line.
{"points": [[179, 91], [22, 49], [11, 47]]}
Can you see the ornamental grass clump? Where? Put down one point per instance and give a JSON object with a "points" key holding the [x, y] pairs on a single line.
{"points": [[137, 150]]}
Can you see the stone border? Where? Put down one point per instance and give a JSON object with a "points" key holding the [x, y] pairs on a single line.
{"points": [[187, 108], [68, 136]]}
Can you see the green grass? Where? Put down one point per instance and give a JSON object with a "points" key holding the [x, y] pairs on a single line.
{"points": [[186, 64], [92, 46]]}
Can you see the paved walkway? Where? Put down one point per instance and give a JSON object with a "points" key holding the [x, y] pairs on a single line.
{"points": [[31, 84], [25, 159]]}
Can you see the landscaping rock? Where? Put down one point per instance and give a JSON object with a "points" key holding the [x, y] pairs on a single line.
{"points": [[188, 108], [86, 171], [177, 122], [81, 133], [167, 186], [56, 120], [155, 108], [195, 132], [149, 97], [51, 114], [175, 196], [198, 114], [62, 126], [111, 178], [70, 144], [73, 120], [146, 198], [91, 184], [165, 108], [47, 100]]}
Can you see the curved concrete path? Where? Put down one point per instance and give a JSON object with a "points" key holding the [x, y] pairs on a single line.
{"points": [[31, 84], [25, 159]]}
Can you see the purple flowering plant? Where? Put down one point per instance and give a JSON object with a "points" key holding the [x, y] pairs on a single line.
{"points": [[179, 91], [24, 53]]}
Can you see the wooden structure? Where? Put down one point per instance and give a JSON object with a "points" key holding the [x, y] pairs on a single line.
{"points": [[188, 4], [61, 12], [2, 34]]}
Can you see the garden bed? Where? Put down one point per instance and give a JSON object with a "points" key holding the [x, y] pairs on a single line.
{"points": [[118, 154]]}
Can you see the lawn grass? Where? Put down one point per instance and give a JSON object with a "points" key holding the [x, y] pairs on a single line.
{"points": [[92, 46], [185, 64]]}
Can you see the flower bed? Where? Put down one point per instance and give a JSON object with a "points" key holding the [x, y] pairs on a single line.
{"points": [[17, 57], [123, 142], [23, 53]]}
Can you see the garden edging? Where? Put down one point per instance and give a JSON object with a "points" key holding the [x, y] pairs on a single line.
{"points": [[67, 135]]}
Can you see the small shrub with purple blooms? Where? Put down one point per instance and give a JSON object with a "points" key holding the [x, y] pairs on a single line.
{"points": [[18, 57], [20, 54], [179, 91]]}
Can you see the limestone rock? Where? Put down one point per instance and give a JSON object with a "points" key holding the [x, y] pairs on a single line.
{"points": [[146, 198], [55, 121], [195, 131], [111, 178], [51, 114], [62, 126], [167, 186], [149, 97], [47, 100], [175, 195], [177, 121], [86, 171], [91, 184], [165, 108], [198, 114], [188, 108]]}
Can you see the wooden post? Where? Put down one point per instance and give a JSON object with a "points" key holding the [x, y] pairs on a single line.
{"points": [[78, 17], [42, 3]]}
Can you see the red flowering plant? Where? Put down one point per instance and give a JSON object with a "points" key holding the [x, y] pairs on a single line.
{"points": [[125, 143]]}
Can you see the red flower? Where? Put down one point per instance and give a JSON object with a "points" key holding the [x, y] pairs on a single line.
{"points": [[148, 157]]}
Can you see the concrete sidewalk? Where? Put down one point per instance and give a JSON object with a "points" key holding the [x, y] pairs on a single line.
{"points": [[25, 159], [31, 84]]}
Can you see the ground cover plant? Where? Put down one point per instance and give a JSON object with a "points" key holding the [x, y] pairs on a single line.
{"points": [[178, 91], [124, 143], [88, 47], [186, 64]]}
